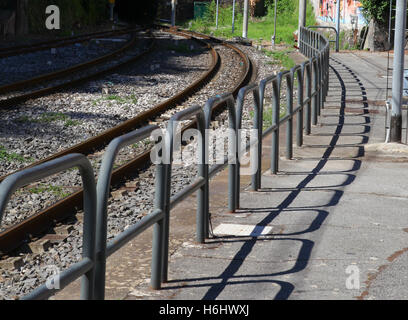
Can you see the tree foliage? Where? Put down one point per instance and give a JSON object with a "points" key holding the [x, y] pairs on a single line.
{"points": [[377, 10]]}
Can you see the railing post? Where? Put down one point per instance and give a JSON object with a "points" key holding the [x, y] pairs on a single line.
{"points": [[158, 241], [26, 176], [103, 190], [306, 72], [233, 201], [289, 111], [202, 216], [275, 122], [299, 123], [257, 126], [321, 82], [315, 98]]}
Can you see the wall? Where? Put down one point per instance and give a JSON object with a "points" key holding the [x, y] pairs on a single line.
{"points": [[325, 11]]}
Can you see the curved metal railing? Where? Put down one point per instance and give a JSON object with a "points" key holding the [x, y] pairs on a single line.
{"points": [[312, 78]]}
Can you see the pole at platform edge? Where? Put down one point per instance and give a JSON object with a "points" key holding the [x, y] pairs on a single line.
{"points": [[302, 15], [245, 23], [398, 71]]}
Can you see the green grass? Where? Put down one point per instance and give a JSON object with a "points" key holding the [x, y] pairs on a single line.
{"points": [[281, 57], [10, 156], [49, 117], [258, 28], [55, 190], [267, 114], [71, 123], [121, 100]]}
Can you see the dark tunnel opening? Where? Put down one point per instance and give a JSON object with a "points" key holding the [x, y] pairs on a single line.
{"points": [[136, 12]]}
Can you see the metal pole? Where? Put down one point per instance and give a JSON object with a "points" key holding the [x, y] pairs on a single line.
{"points": [[245, 23], [274, 25], [337, 24], [389, 47], [216, 17], [233, 16], [173, 12], [302, 15], [111, 5], [398, 71]]}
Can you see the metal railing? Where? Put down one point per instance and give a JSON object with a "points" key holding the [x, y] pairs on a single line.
{"points": [[312, 79], [337, 41], [86, 266]]}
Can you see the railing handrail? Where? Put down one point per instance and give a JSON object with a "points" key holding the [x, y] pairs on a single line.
{"points": [[312, 77], [86, 266]]}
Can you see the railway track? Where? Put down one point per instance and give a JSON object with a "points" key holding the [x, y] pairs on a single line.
{"points": [[45, 45], [11, 238], [41, 88]]}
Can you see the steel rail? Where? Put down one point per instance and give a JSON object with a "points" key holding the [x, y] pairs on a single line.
{"points": [[12, 51], [12, 237], [52, 75], [13, 101]]}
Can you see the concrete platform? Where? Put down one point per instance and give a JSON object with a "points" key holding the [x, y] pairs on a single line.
{"points": [[332, 224]]}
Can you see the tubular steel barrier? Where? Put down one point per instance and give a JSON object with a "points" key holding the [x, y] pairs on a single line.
{"points": [[103, 188], [336, 42], [312, 79], [86, 266]]}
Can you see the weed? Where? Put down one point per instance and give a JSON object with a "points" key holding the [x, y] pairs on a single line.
{"points": [[10, 156], [48, 117], [55, 190], [71, 123], [113, 97], [282, 57]]}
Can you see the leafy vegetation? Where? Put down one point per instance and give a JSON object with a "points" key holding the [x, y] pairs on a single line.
{"points": [[49, 117], [10, 156], [376, 9], [113, 97], [282, 57], [258, 28], [55, 190]]}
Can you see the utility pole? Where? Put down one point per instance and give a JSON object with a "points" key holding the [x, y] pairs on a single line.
{"points": [[233, 16], [398, 71], [274, 26], [111, 7], [173, 12], [245, 23], [216, 16], [302, 15], [337, 23]]}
